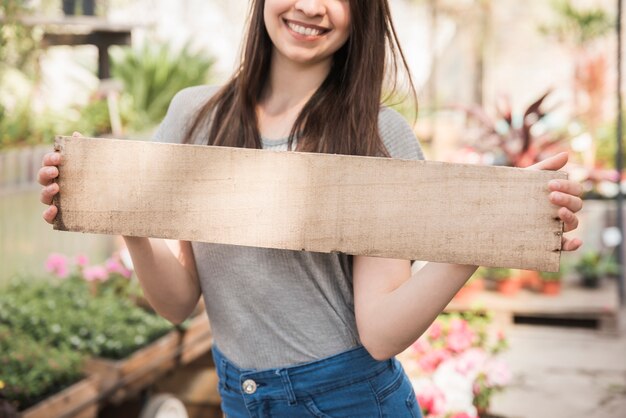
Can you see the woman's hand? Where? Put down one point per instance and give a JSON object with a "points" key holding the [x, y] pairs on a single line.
{"points": [[47, 173], [566, 194]]}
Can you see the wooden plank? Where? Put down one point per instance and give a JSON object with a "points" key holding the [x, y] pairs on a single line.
{"points": [[457, 213]]}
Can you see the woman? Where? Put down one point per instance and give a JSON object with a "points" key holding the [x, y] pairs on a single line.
{"points": [[298, 333]]}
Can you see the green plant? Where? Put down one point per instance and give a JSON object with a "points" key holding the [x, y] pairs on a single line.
{"points": [[31, 371], [577, 25], [152, 76], [593, 265], [19, 43], [495, 273], [23, 126], [64, 314], [547, 276]]}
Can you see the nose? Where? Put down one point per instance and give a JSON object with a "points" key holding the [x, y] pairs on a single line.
{"points": [[311, 8]]}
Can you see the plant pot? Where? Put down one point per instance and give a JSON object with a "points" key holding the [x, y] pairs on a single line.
{"points": [[591, 282], [509, 287], [551, 288], [530, 279], [470, 290], [78, 401], [120, 379]]}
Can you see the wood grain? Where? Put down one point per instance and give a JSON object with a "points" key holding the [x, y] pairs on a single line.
{"points": [[455, 213]]}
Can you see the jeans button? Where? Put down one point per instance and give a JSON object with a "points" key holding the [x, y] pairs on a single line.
{"points": [[249, 386]]}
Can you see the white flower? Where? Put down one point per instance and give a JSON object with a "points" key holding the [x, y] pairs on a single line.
{"points": [[457, 387]]}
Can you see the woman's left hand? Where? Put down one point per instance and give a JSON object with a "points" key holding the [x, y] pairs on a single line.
{"points": [[565, 194]]}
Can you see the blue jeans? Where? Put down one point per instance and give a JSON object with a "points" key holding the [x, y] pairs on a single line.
{"points": [[348, 384]]}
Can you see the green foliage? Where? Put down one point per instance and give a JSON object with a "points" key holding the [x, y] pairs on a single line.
{"points": [[547, 276], [495, 273], [65, 315], [606, 145], [578, 25], [152, 76], [593, 265], [22, 126], [94, 119], [31, 371], [19, 44]]}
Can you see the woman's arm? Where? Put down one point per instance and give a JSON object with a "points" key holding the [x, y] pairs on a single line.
{"points": [[393, 308], [167, 272]]}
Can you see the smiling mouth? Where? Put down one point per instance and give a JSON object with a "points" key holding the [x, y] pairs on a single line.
{"points": [[306, 30]]}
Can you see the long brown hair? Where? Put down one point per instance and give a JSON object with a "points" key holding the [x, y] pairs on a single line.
{"points": [[342, 115]]}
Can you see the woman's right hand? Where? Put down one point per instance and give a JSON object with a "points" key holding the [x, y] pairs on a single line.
{"points": [[47, 173]]}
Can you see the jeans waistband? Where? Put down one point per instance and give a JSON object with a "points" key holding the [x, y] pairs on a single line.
{"points": [[304, 379]]}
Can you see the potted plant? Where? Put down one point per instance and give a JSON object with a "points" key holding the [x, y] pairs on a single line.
{"points": [[551, 283], [471, 288], [530, 279], [592, 266], [506, 282]]}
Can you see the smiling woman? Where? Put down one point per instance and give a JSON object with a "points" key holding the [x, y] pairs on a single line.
{"points": [[300, 333]]}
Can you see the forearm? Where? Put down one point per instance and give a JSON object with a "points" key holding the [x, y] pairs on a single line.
{"points": [[170, 288], [399, 317]]}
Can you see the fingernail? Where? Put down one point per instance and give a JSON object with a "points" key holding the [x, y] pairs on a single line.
{"points": [[55, 158], [554, 184]]}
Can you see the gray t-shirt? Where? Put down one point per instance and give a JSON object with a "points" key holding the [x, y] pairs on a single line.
{"points": [[274, 308]]}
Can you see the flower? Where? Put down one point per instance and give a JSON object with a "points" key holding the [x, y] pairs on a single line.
{"points": [[1, 385], [458, 388], [57, 264], [453, 366], [431, 360], [112, 265], [430, 398], [435, 330], [471, 362], [81, 260], [95, 273], [498, 373], [460, 337], [420, 346]]}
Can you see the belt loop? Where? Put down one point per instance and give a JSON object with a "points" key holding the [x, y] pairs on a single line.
{"points": [[291, 396], [224, 364]]}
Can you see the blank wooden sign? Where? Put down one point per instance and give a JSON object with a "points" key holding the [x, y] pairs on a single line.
{"points": [[455, 213]]}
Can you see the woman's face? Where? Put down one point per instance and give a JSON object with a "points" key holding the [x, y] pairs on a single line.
{"points": [[307, 31]]}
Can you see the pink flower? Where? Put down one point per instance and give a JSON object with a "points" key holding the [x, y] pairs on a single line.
{"points": [[420, 346], [431, 399], [95, 273], [432, 359], [114, 266], [435, 330], [471, 361], [460, 337], [57, 264], [81, 260], [498, 373]]}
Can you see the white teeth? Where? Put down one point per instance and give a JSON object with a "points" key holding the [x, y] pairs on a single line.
{"points": [[304, 31]]}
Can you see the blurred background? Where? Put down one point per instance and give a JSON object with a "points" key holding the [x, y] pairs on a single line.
{"points": [[504, 82]]}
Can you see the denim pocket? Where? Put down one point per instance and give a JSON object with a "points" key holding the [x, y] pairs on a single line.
{"points": [[395, 394], [352, 400]]}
